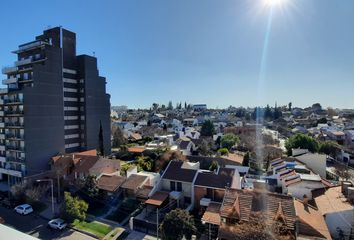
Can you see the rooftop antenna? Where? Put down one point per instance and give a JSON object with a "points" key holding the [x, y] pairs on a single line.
{"points": [[94, 54]]}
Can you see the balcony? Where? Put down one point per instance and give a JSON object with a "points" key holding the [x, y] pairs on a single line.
{"points": [[1, 113], [23, 62], [13, 125], [13, 101], [8, 70], [4, 90], [1, 102], [2, 148], [2, 125], [11, 136], [2, 158], [30, 45], [10, 80], [2, 136], [11, 172], [15, 159], [14, 112], [14, 148]]}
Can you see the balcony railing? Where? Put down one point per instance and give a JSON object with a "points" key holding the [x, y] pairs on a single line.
{"points": [[15, 148], [14, 136], [23, 62], [13, 124], [14, 112], [4, 90], [13, 101], [7, 70], [16, 173], [30, 45], [10, 80], [15, 159]]}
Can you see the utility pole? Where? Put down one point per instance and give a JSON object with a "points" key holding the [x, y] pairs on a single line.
{"points": [[157, 223]]}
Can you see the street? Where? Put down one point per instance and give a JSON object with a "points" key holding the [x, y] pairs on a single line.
{"points": [[37, 227]]}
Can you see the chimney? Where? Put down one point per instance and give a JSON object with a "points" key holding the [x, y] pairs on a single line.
{"points": [[345, 186], [305, 200]]}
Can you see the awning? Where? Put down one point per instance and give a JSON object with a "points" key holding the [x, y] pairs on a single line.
{"points": [[157, 199]]}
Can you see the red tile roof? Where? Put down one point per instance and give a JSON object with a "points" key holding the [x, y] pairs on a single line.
{"points": [[110, 183]]}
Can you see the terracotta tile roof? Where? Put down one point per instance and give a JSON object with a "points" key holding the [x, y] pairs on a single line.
{"points": [[332, 200], [158, 198], [136, 149], [237, 158], [84, 163], [240, 204], [310, 221], [134, 181], [176, 173], [286, 173], [110, 183], [212, 214], [105, 166]]}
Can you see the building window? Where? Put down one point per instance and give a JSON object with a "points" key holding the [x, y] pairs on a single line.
{"points": [[187, 200], [172, 186], [179, 186]]}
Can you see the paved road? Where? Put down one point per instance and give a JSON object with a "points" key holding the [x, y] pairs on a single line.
{"points": [[37, 227]]}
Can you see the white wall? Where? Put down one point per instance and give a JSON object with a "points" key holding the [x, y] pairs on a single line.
{"points": [[343, 220]]}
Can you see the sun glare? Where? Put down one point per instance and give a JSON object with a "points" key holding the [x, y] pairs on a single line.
{"points": [[274, 2]]}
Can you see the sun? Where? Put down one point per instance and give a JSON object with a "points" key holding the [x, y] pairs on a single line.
{"points": [[273, 2]]}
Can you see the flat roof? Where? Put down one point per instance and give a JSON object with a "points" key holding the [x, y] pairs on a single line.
{"points": [[157, 199], [10, 233]]}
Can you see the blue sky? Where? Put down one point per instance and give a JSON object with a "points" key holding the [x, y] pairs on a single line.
{"points": [[203, 51]]}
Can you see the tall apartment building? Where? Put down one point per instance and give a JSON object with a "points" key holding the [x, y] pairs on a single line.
{"points": [[54, 102]]}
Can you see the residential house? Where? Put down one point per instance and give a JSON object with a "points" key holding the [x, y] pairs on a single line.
{"points": [[186, 146], [210, 186], [178, 180], [317, 163], [110, 183], [336, 205], [310, 222]]}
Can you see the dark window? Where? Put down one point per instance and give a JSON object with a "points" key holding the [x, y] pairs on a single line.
{"points": [[187, 200], [172, 186], [179, 186]]}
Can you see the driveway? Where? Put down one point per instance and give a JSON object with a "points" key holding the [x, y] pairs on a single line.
{"points": [[37, 227]]}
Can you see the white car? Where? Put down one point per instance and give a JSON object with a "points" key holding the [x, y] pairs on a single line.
{"points": [[24, 209], [57, 224]]}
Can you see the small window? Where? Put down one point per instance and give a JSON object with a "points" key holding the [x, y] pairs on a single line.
{"points": [[172, 186], [179, 186]]}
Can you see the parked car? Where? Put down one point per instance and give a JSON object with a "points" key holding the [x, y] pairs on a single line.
{"points": [[57, 223], [24, 209], [6, 203]]}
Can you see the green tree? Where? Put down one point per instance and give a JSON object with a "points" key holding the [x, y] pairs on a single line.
{"points": [[207, 129], [73, 208], [223, 151], [214, 165], [330, 148], [205, 146], [178, 224], [118, 138], [246, 159], [100, 140], [229, 140], [290, 106], [170, 106], [302, 141], [91, 186], [145, 163]]}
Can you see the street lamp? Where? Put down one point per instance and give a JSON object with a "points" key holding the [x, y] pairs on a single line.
{"points": [[51, 183]]}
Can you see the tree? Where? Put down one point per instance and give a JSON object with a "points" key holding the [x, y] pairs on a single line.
{"points": [[100, 140], [207, 129], [301, 141], [213, 166], [170, 106], [330, 148], [118, 138], [322, 121], [204, 147], [73, 208], [290, 106], [145, 163], [91, 186], [268, 113], [223, 151], [246, 159], [155, 106], [229, 140], [331, 112], [185, 105], [177, 224]]}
